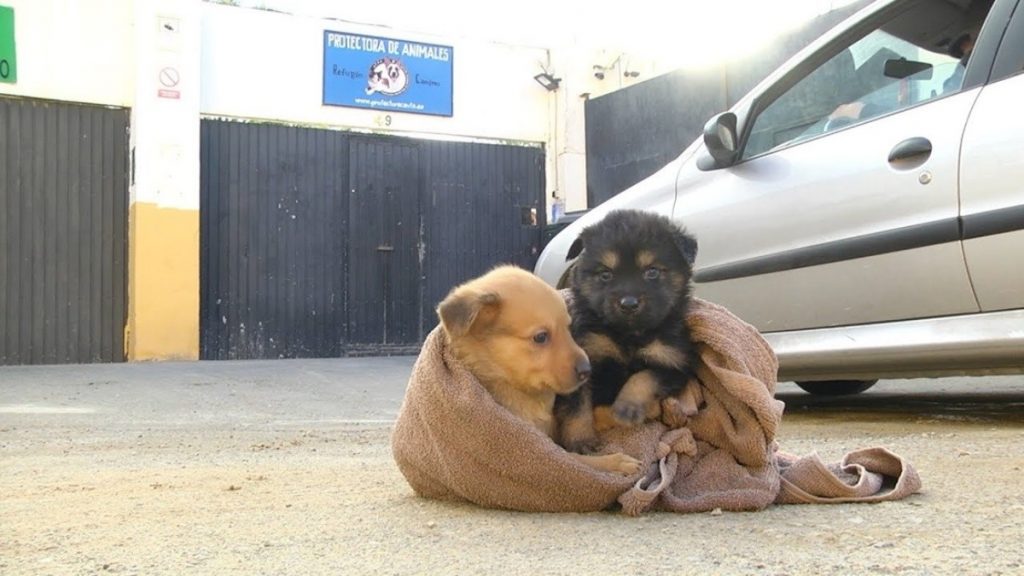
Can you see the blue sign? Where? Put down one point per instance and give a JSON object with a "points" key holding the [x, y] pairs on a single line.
{"points": [[387, 74]]}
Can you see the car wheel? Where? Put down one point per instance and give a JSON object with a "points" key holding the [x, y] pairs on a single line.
{"points": [[836, 387]]}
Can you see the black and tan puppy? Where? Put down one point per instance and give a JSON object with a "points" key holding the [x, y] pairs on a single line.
{"points": [[511, 330], [631, 289]]}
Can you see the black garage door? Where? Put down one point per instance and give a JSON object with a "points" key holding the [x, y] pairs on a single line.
{"points": [[63, 222], [320, 243]]}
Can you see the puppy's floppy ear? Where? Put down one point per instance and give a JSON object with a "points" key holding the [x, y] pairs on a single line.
{"points": [[465, 308], [575, 249], [687, 245]]}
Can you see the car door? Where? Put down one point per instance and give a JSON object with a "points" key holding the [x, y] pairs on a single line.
{"points": [[843, 206], [992, 169]]}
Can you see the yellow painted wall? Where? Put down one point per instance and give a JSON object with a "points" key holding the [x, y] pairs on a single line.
{"points": [[163, 283]]}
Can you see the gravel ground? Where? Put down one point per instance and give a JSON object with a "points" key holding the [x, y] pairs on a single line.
{"points": [[229, 474]]}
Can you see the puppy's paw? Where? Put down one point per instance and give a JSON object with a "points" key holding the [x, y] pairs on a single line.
{"points": [[629, 413], [615, 463], [623, 464]]}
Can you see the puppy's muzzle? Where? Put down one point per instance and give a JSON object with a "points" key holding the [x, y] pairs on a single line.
{"points": [[582, 370], [629, 304]]}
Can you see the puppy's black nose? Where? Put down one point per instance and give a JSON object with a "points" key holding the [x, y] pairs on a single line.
{"points": [[582, 369], [629, 304]]}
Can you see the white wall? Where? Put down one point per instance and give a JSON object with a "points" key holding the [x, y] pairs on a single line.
{"points": [[165, 119], [265, 65], [74, 50]]}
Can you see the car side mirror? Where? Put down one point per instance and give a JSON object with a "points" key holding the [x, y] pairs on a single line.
{"points": [[720, 139], [903, 68]]}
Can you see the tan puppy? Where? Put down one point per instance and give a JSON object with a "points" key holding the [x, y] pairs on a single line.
{"points": [[511, 330]]}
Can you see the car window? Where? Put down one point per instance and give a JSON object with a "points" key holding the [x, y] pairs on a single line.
{"points": [[919, 55]]}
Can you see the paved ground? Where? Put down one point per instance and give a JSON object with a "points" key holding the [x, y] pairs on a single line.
{"points": [[188, 394], [283, 467]]}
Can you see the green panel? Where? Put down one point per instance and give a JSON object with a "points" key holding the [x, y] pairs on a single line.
{"points": [[8, 57]]}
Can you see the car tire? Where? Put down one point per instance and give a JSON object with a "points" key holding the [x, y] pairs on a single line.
{"points": [[836, 387]]}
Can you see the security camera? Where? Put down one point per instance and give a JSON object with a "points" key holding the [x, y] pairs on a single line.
{"points": [[599, 72]]}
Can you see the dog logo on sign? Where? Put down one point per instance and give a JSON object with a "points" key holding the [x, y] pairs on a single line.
{"points": [[387, 76]]}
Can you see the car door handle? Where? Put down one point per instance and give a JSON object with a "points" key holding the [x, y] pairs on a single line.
{"points": [[910, 148]]}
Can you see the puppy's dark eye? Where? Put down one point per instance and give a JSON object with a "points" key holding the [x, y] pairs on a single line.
{"points": [[604, 276], [652, 274], [541, 337]]}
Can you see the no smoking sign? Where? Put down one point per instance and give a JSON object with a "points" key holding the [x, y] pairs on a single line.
{"points": [[169, 78]]}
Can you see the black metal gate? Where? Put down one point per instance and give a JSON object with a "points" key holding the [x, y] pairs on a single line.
{"points": [[273, 213], [634, 132], [483, 205], [63, 227], [320, 243], [384, 267]]}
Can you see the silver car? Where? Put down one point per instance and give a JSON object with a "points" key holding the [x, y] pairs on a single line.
{"points": [[863, 206]]}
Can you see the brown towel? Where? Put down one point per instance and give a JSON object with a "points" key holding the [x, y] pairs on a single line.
{"points": [[453, 441]]}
